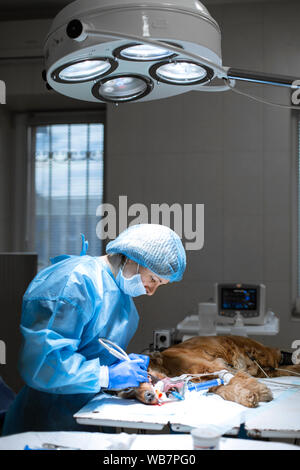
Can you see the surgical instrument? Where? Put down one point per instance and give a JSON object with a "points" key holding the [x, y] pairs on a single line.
{"points": [[114, 349]]}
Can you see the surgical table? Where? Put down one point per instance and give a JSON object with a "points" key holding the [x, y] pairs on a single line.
{"points": [[279, 418]]}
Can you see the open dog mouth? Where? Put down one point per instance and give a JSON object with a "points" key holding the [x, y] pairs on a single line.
{"points": [[162, 390]]}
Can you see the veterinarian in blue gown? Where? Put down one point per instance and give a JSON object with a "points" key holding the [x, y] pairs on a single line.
{"points": [[72, 303]]}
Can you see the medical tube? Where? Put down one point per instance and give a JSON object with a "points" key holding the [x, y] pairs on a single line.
{"points": [[204, 385]]}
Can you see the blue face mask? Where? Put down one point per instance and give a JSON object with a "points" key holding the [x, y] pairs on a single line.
{"points": [[132, 286]]}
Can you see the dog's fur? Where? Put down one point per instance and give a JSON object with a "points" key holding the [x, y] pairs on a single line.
{"points": [[206, 354]]}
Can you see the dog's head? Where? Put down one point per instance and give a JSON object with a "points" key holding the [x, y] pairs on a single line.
{"points": [[145, 392]]}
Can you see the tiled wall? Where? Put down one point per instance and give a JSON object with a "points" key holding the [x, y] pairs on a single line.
{"points": [[230, 153]]}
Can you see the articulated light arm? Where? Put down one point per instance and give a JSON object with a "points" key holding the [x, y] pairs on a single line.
{"points": [[262, 78]]}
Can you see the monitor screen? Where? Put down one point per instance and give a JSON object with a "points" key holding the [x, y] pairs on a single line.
{"points": [[234, 298]]}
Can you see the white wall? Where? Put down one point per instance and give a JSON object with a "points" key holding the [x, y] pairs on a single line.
{"points": [[223, 150]]}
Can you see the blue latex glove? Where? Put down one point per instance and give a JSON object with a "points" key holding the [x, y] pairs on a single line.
{"points": [[126, 374], [144, 360]]}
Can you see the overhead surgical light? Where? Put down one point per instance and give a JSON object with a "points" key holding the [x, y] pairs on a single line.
{"points": [[123, 50]]}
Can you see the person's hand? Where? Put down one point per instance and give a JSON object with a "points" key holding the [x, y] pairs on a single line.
{"points": [[144, 359], [125, 374]]}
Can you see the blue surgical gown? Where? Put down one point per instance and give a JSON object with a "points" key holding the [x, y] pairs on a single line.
{"points": [[66, 308]]}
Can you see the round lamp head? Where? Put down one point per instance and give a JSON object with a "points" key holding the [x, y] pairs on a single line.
{"points": [[181, 72], [143, 52], [84, 70], [121, 89]]}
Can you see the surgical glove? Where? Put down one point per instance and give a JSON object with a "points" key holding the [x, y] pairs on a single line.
{"points": [[144, 360], [126, 374]]}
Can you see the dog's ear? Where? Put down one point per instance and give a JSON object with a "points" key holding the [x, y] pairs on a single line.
{"points": [[156, 365], [127, 393], [156, 359]]}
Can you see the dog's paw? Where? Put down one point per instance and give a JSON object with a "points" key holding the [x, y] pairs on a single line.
{"points": [[248, 398], [265, 393]]}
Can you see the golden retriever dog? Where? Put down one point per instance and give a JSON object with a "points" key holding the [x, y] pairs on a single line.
{"points": [[242, 357]]}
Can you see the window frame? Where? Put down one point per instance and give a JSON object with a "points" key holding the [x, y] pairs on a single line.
{"points": [[295, 217], [50, 118]]}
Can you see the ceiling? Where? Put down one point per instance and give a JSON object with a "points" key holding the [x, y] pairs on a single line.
{"points": [[27, 9]]}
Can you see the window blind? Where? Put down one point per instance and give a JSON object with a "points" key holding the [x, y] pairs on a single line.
{"points": [[68, 188]]}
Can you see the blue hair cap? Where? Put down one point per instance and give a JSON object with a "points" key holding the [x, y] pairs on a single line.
{"points": [[153, 246]]}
